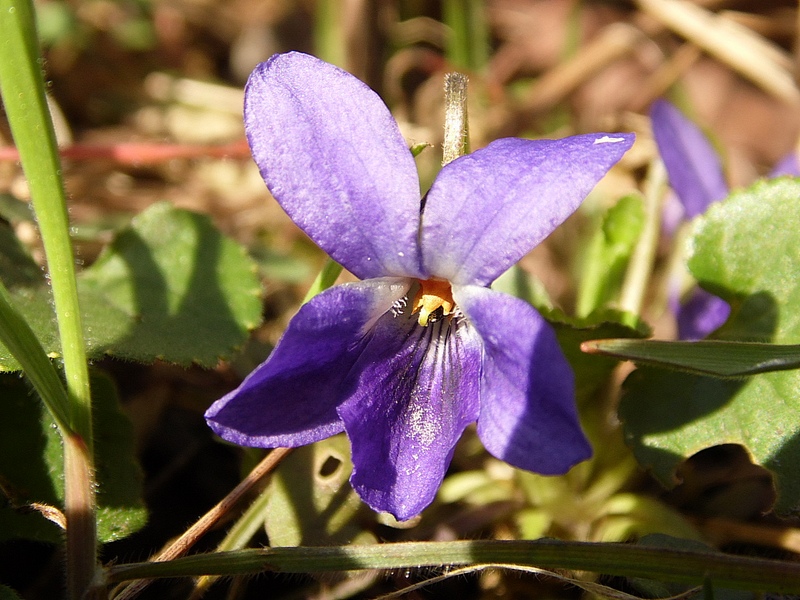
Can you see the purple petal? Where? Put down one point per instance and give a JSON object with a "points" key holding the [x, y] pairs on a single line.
{"points": [[528, 416], [291, 399], [417, 391], [788, 165], [693, 166], [701, 314], [333, 157], [488, 209]]}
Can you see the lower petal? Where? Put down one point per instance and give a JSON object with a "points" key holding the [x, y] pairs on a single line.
{"points": [[291, 398], [528, 416], [417, 391]]}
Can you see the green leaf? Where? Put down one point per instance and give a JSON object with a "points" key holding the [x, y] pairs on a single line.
{"points": [[747, 250], [31, 464], [170, 286], [17, 268], [311, 501], [26, 444], [591, 371], [121, 510], [416, 149], [14, 210], [281, 267], [706, 357], [174, 288], [608, 253], [6, 593]]}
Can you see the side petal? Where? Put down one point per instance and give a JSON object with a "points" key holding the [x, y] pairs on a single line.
{"points": [[333, 157], [693, 166], [488, 209], [417, 391], [291, 398], [701, 314], [528, 416]]}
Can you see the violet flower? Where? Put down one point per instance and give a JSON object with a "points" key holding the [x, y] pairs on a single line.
{"points": [[697, 178], [404, 360]]}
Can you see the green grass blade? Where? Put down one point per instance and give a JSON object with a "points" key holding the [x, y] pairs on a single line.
{"points": [[665, 564], [18, 337], [707, 357], [325, 279], [22, 88]]}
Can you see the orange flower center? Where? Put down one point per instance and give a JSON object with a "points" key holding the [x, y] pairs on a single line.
{"points": [[432, 295]]}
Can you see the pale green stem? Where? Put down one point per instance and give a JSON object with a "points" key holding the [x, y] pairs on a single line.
{"points": [[640, 267], [468, 44], [329, 41], [325, 279]]}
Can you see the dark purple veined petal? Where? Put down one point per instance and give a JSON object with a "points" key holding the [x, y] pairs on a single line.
{"points": [[487, 209], [291, 399], [417, 390], [693, 167], [333, 157], [528, 416], [701, 314]]}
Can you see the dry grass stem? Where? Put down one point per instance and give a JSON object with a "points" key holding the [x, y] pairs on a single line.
{"points": [[747, 53], [614, 42]]}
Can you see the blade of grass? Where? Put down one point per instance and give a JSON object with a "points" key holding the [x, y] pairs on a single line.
{"points": [[664, 564], [706, 357], [18, 337], [329, 34], [325, 279], [468, 45], [22, 89], [740, 48]]}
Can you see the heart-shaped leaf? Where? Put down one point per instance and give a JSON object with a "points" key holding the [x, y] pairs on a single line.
{"points": [[747, 250]]}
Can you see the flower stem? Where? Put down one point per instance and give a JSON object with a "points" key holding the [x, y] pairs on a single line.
{"points": [[456, 125]]}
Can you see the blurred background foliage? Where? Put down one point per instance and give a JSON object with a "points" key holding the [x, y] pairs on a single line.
{"points": [[129, 77]]}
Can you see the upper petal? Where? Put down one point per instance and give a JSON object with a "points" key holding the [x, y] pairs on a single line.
{"points": [[291, 399], [693, 166], [489, 208], [528, 416], [333, 157], [417, 390]]}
